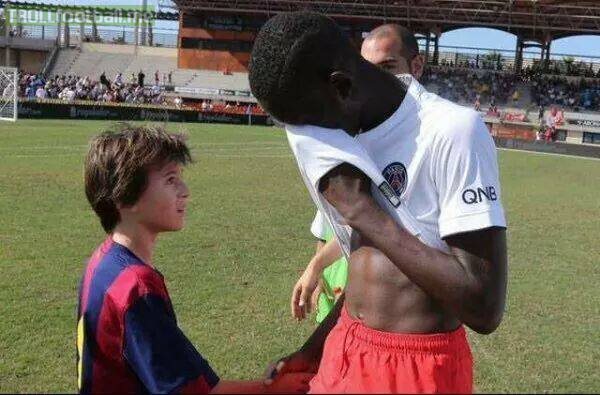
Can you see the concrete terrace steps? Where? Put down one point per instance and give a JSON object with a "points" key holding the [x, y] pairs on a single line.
{"points": [[94, 58], [64, 61], [216, 79]]}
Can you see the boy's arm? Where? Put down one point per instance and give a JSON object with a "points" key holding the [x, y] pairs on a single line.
{"points": [[160, 354], [306, 285], [307, 358]]}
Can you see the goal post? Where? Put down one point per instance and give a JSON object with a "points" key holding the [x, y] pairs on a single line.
{"points": [[8, 93]]}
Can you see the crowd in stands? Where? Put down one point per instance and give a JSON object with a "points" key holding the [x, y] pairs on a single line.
{"points": [[70, 88], [466, 86], [227, 107], [583, 94], [475, 88], [134, 91], [572, 69]]}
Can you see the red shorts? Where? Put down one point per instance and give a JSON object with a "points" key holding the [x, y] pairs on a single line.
{"points": [[358, 359]]}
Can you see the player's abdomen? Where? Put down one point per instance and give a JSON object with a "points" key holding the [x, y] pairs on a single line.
{"points": [[383, 298]]}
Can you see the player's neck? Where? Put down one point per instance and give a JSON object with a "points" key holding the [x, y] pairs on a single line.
{"points": [[137, 238], [386, 96]]}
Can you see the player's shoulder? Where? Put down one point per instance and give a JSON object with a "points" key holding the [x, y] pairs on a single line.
{"points": [[131, 278], [451, 123]]}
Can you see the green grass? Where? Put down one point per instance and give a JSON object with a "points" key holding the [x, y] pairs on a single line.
{"points": [[231, 269]]}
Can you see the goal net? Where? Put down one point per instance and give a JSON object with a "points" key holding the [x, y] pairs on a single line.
{"points": [[8, 92]]}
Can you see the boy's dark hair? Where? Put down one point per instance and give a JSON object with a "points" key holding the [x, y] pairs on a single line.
{"points": [[291, 53], [117, 164]]}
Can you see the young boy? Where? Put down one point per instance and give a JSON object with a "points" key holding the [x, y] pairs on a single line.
{"points": [[127, 334]]}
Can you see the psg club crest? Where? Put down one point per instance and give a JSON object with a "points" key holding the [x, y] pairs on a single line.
{"points": [[395, 175]]}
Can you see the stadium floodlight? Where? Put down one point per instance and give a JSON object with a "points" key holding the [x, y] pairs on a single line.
{"points": [[8, 90]]}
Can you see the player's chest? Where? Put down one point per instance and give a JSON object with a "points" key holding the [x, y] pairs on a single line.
{"points": [[405, 166]]}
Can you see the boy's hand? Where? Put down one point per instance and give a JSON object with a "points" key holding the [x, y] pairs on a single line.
{"points": [[290, 383], [308, 286], [298, 362], [348, 189]]}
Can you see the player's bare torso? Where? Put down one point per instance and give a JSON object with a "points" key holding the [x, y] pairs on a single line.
{"points": [[383, 298]]}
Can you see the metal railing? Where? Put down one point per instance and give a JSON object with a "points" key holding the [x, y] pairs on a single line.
{"points": [[504, 60], [111, 35]]}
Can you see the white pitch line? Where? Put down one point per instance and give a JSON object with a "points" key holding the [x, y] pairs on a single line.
{"points": [[247, 153], [548, 153], [248, 156], [192, 146]]}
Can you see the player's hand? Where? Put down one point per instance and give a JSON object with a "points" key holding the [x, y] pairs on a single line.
{"points": [[298, 362], [348, 189], [290, 383], [306, 293]]}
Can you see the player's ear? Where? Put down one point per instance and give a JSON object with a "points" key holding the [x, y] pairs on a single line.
{"points": [[417, 66], [342, 83]]}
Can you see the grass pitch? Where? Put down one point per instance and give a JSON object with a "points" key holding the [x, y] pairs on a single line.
{"points": [[230, 271]]}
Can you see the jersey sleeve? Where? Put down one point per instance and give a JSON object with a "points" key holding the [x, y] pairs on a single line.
{"points": [[320, 227], [465, 171], [161, 356]]}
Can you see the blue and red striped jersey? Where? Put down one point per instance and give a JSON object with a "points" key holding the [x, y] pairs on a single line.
{"points": [[127, 334]]}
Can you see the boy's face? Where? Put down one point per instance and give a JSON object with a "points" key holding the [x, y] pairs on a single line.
{"points": [[161, 207]]}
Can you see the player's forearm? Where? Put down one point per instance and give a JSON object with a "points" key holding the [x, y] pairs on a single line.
{"points": [[313, 347], [328, 254], [470, 294]]}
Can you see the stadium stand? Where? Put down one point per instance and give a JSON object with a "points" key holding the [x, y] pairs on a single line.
{"points": [[206, 68]]}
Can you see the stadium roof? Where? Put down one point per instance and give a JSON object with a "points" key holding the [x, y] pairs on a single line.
{"points": [[530, 19]]}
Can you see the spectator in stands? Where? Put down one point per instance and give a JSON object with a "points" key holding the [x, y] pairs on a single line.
{"points": [[67, 94], [140, 78], [41, 93], [493, 111], [103, 80], [553, 119], [539, 136], [178, 102], [516, 96], [30, 91], [119, 79], [477, 104]]}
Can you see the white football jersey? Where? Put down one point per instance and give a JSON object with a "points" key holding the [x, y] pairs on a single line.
{"points": [[441, 160]]}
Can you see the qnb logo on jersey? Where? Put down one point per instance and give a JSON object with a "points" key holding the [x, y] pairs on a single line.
{"points": [[474, 196]]}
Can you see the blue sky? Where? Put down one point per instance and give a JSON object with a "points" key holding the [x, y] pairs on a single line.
{"points": [[491, 38], [583, 46]]}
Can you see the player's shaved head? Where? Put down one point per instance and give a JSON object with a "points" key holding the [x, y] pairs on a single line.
{"points": [[393, 48], [305, 70], [293, 56]]}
